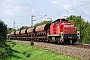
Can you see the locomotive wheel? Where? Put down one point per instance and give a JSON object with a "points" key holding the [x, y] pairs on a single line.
{"points": [[62, 42]]}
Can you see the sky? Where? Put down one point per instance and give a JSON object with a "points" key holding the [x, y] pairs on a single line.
{"points": [[20, 11]]}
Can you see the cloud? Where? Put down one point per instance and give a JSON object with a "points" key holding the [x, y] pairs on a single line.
{"points": [[32, 10], [14, 10], [27, 0], [87, 12], [18, 8], [8, 12], [9, 8], [15, 2], [3, 4], [54, 2], [66, 6], [22, 9], [51, 11]]}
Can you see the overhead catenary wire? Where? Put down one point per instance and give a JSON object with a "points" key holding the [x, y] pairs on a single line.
{"points": [[72, 9], [40, 17]]}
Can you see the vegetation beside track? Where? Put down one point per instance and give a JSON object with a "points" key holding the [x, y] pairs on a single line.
{"points": [[25, 52], [82, 26], [5, 49]]}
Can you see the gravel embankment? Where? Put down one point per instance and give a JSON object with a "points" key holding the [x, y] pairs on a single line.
{"points": [[81, 53]]}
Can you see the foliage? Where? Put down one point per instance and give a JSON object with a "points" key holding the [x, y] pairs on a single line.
{"points": [[4, 48], [82, 26], [10, 30], [23, 27], [41, 23], [3, 31], [26, 52], [5, 51]]}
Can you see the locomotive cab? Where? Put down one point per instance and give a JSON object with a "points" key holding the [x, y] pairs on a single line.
{"points": [[62, 31], [57, 25]]}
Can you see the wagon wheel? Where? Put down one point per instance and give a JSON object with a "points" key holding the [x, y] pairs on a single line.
{"points": [[57, 40], [50, 40], [62, 42], [37, 40]]}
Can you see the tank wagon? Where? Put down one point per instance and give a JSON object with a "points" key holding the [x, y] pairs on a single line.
{"points": [[59, 31]]}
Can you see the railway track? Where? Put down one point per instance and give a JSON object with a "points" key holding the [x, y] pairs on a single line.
{"points": [[78, 45], [81, 51]]}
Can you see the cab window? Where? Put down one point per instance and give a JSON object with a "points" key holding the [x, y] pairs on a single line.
{"points": [[57, 22]]}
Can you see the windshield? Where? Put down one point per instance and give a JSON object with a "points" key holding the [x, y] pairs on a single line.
{"points": [[57, 22]]}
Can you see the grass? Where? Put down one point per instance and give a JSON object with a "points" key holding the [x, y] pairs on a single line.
{"points": [[26, 52]]}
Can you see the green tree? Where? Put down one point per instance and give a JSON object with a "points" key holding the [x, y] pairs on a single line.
{"points": [[10, 30], [43, 22], [3, 31], [86, 32], [23, 27], [82, 26], [5, 49]]}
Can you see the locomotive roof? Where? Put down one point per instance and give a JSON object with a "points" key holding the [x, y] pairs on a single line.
{"points": [[59, 19]]}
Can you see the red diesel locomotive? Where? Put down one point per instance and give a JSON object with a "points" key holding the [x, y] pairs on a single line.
{"points": [[59, 31], [62, 31]]}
